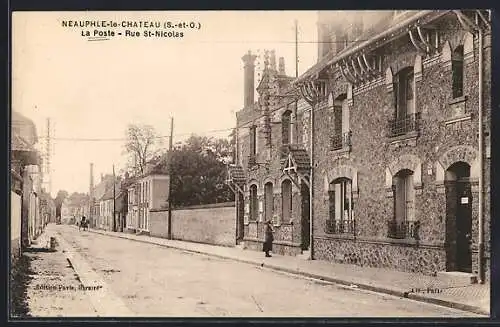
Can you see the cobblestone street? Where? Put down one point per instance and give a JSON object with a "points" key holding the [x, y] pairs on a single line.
{"points": [[155, 281]]}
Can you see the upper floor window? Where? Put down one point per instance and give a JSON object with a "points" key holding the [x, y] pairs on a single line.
{"points": [[253, 143], [341, 134], [406, 119], [457, 67], [286, 127], [404, 92]]}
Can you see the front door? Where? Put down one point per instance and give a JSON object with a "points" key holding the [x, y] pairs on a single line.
{"points": [[305, 222], [464, 227]]}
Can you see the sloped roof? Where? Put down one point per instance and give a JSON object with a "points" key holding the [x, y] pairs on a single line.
{"points": [[380, 30], [19, 144], [297, 159]]}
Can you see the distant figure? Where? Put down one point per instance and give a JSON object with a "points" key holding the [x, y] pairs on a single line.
{"points": [[268, 243], [84, 224]]}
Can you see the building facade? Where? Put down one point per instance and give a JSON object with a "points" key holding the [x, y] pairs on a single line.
{"points": [[146, 193], [399, 138], [25, 183]]}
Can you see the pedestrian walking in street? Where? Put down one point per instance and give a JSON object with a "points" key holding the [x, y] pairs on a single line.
{"points": [[268, 242]]}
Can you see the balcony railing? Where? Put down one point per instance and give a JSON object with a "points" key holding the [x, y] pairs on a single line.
{"points": [[402, 230], [339, 226], [340, 141], [404, 125]]}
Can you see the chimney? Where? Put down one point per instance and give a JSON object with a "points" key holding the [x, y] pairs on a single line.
{"points": [[281, 69], [248, 78], [273, 60]]}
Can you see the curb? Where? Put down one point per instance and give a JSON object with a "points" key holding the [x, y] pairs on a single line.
{"points": [[368, 287]]}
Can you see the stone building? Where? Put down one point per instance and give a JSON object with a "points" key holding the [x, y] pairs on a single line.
{"points": [[399, 140], [267, 131]]}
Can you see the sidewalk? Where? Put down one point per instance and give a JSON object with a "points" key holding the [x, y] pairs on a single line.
{"points": [[450, 293], [53, 290]]}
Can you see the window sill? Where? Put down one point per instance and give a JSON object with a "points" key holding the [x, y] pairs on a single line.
{"points": [[458, 119], [408, 139], [342, 152], [339, 236], [461, 99]]}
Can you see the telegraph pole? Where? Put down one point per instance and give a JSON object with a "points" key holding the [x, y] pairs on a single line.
{"points": [[169, 158], [114, 199], [296, 49]]}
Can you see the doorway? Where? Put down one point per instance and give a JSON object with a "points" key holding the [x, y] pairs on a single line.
{"points": [[305, 219], [240, 218], [459, 218]]}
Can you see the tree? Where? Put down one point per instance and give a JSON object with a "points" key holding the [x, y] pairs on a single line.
{"points": [[141, 146], [61, 195], [198, 171]]}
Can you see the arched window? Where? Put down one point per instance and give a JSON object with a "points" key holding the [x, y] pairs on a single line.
{"points": [[286, 127], [403, 222], [457, 67], [269, 201], [286, 200], [254, 205], [341, 206]]}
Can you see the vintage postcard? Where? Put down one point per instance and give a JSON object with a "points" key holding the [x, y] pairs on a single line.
{"points": [[250, 164]]}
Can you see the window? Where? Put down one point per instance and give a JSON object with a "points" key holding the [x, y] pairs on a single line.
{"points": [[404, 196], [405, 118], [286, 200], [269, 201], [341, 206], [403, 224], [253, 144], [341, 133], [254, 206], [457, 67], [404, 92], [286, 127]]}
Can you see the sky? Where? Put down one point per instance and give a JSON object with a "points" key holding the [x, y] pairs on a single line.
{"points": [[94, 89]]}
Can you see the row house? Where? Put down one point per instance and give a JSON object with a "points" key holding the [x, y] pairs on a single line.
{"points": [[147, 192], [106, 209], [26, 221], [389, 138], [98, 191]]}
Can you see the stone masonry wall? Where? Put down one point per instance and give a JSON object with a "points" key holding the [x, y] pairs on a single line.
{"points": [[216, 225], [372, 152]]}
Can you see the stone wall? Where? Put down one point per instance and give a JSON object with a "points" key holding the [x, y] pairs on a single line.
{"points": [[158, 223], [373, 152], [211, 224], [406, 257], [15, 225]]}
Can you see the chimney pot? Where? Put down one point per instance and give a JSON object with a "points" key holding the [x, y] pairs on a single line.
{"points": [[282, 66], [249, 78]]}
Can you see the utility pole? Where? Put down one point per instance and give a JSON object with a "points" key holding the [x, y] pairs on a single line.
{"points": [[296, 49], [169, 158], [114, 199]]}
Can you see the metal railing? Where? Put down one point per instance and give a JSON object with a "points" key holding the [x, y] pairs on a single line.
{"points": [[404, 229], [340, 141], [404, 125], [339, 226]]}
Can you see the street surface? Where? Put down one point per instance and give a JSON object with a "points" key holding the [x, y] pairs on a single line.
{"points": [[155, 281]]}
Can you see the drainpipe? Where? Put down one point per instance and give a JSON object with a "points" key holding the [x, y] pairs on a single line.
{"points": [[481, 173], [311, 188]]}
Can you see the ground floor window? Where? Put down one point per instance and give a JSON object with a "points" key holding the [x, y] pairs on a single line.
{"points": [[340, 207]]}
